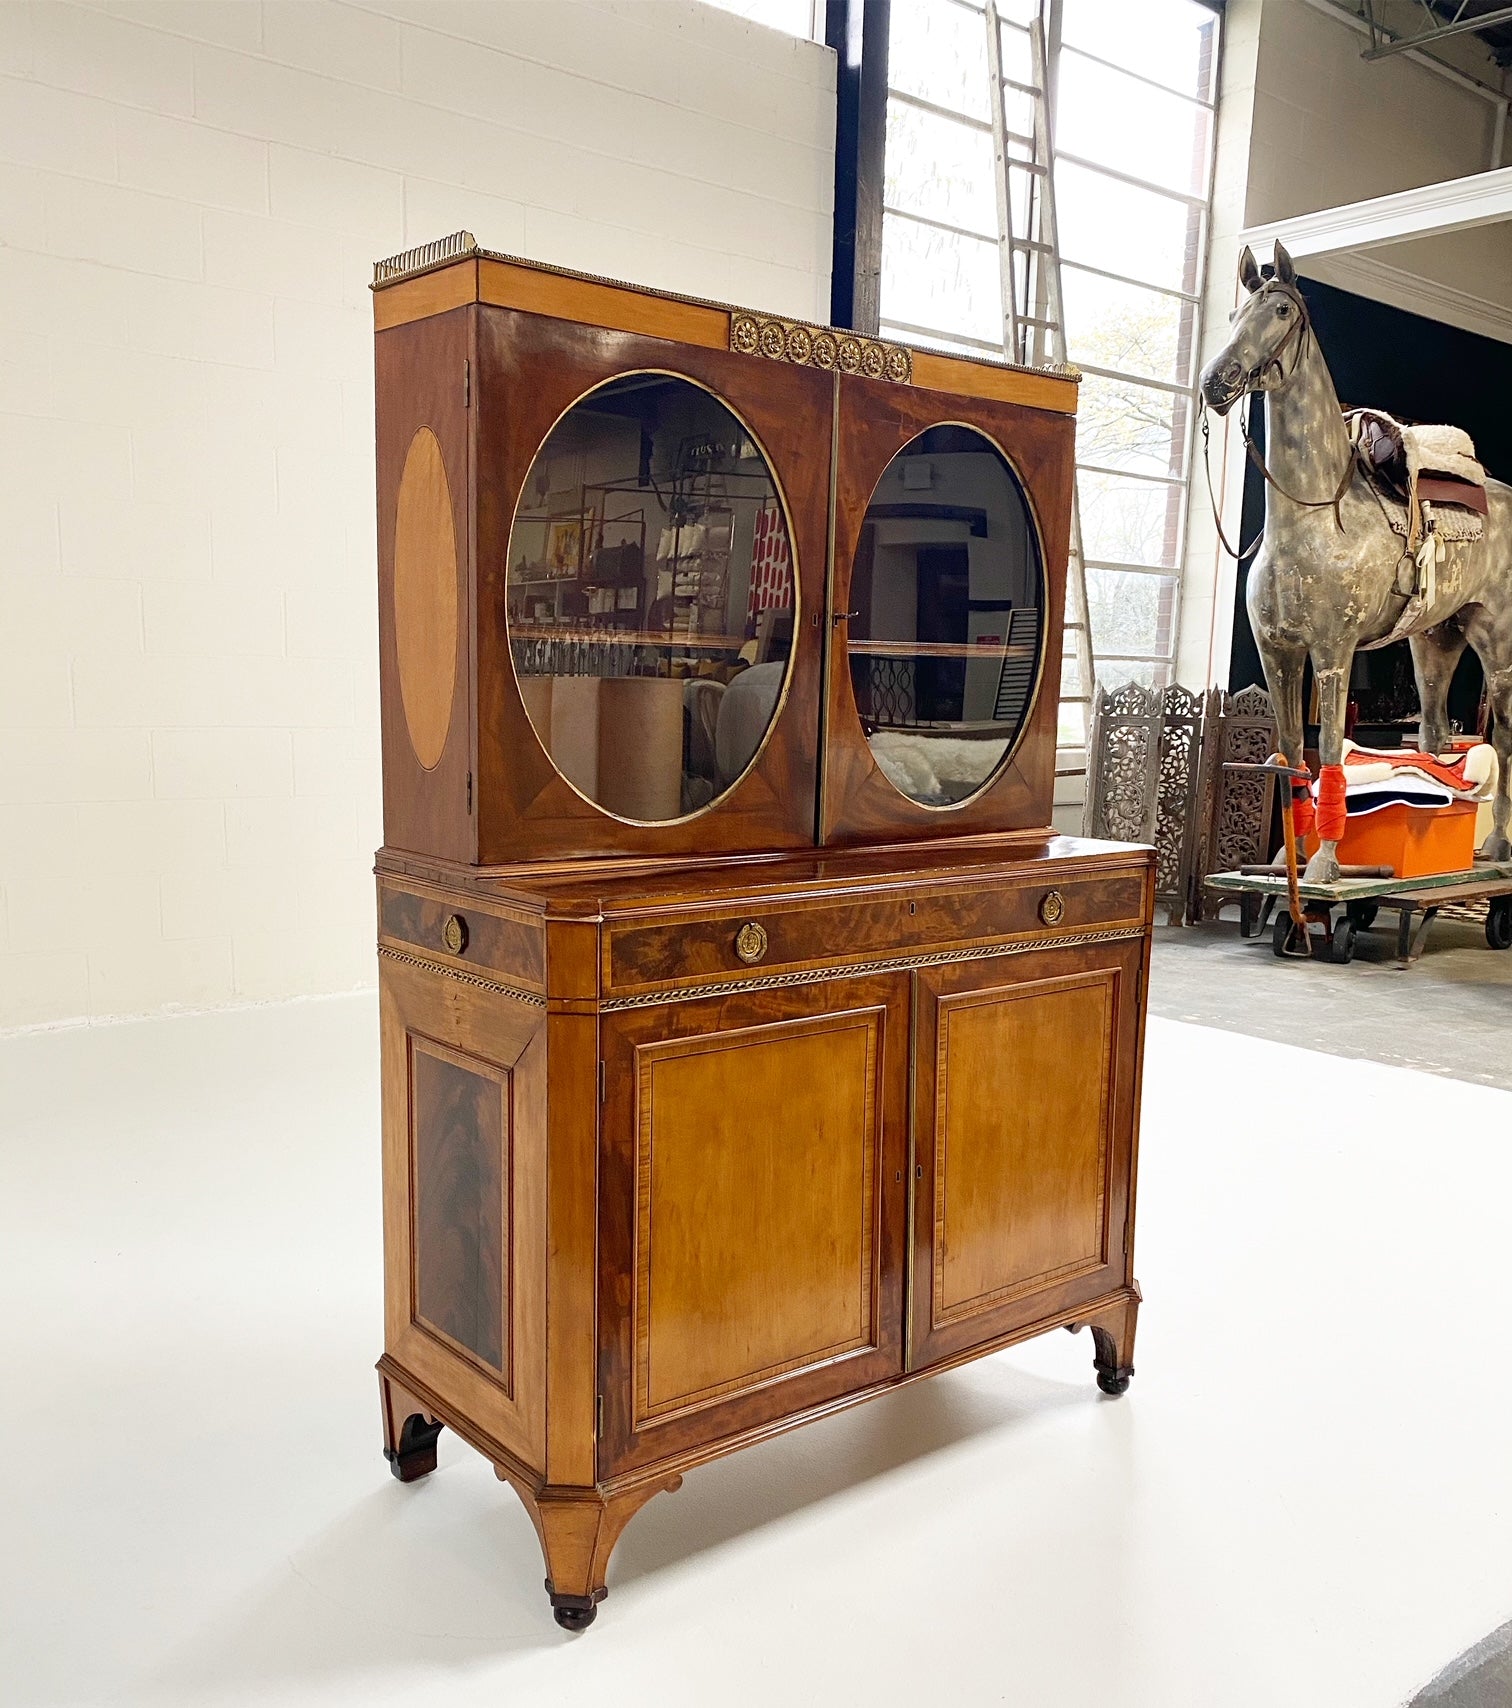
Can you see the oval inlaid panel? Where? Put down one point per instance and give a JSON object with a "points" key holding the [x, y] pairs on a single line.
{"points": [[425, 597]]}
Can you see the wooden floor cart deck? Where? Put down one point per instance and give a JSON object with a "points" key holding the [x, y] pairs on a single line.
{"points": [[1416, 901]]}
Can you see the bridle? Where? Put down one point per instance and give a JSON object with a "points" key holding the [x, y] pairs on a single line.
{"points": [[1253, 379]]}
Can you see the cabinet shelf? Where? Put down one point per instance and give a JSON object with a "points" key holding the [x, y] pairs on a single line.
{"points": [[626, 637], [938, 649]]}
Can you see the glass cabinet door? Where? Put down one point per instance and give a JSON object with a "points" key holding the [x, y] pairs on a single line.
{"points": [[946, 622], [651, 597]]}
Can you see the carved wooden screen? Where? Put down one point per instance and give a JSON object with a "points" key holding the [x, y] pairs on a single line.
{"points": [[1184, 715], [1123, 770], [1234, 807]]}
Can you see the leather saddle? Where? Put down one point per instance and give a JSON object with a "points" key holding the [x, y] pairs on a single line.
{"points": [[1402, 461]]}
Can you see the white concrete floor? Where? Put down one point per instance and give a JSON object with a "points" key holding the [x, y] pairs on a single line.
{"points": [[1304, 1499]]}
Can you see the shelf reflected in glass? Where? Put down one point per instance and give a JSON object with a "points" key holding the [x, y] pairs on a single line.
{"points": [[945, 639], [651, 597]]}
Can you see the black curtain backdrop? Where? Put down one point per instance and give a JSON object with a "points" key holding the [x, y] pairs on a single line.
{"points": [[1419, 371]]}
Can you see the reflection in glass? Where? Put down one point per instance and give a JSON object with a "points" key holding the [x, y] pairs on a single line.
{"points": [[651, 597], [946, 623]]}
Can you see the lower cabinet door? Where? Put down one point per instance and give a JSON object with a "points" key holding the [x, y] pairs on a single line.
{"points": [[1025, 1091], [753, 1199]]}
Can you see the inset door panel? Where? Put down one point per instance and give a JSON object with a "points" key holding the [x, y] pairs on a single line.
{"points": [[753, 1188], [1024, 1125]]}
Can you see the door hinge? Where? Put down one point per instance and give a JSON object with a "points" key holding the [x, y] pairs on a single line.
{"points": [[466, 384], [469, 791], [598, 1428], [602, 1078]]}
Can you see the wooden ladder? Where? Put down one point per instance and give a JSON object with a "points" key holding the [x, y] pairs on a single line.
{"points": [[1034, 331]]}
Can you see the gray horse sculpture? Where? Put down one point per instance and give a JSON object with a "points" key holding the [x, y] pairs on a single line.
{"points": [[1325, 580]]}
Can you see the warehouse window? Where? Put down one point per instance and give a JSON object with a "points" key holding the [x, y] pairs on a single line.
{"points": [[1134, 121]]}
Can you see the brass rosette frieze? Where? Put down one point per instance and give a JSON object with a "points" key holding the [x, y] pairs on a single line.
{"points": [[819, 347]]}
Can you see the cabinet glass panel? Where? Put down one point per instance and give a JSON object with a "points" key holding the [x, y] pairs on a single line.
{"points": [[652, 597], [946, 628]]}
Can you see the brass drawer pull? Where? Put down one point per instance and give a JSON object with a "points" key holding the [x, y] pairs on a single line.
{"points": [[1053, 908], [454, 933], [750, 942]]}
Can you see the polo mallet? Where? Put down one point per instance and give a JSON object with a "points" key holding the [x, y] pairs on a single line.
{"points": [[1299, 939]]}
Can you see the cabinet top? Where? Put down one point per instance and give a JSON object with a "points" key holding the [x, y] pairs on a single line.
{"points": [[586, 888], [454, 271]]}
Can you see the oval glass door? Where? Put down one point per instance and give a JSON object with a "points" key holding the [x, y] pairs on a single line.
{"points": [[651, 597], [945, 632]]}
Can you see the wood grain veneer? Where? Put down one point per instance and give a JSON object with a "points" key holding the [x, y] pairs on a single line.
{"points": [[426, 597], [698, 1130]]}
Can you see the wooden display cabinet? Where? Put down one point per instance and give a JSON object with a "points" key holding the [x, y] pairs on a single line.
{"points": [[751, 1044]]}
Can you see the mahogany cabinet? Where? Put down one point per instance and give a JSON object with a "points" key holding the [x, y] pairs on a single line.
{"points": [[750, 1042]]}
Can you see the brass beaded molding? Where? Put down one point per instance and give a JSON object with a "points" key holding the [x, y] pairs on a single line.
{"points": [[530, 998], [860, 969], [819, 347]]}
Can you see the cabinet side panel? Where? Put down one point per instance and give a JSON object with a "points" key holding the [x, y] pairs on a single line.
{"points": [[424, 583], [464, 1189], [460, 1155]]}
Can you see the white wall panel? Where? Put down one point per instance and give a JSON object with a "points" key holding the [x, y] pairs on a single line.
{"points": [[191, 195]]}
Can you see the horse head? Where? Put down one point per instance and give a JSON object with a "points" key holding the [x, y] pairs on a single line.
{"points": [[1270, 320]]}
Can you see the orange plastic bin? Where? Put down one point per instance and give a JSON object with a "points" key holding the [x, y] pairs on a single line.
{"points": [[1416, 842]]}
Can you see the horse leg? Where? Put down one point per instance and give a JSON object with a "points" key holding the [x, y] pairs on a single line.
{"points": [[1283, 676], [1492, 640], [1284, 665], [1498, 845], [1435, 653], [1331, 672]]}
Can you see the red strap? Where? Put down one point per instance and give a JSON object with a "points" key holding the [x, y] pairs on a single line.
{"points": [[1302, 810], [1333, 814]]}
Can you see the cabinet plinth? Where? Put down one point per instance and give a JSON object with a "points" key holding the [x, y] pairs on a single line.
{"points": [[750, 1043]]}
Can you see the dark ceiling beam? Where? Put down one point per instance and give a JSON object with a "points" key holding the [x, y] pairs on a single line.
{"points": [[857, 30]]}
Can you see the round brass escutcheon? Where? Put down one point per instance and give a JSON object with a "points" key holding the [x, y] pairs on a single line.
{"points": [[1053, 908], [454, 933], [750, 942]]}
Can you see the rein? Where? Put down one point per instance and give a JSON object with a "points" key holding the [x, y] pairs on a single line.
{"points": [[1301, 330]]}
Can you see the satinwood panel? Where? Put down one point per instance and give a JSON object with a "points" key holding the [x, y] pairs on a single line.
{"points": [[753, 1183], [1024, 1110]]}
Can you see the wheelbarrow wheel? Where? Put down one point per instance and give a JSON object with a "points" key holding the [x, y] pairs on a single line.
{"points": [[1341, 950], [1499, 923], [1362, 914]]}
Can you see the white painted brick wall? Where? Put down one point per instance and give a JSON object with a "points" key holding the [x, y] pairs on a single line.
{"points": [[191, 194]]}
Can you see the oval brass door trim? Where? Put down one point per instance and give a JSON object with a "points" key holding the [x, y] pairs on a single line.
{"points": [[1053, 908], [750, 942], [425, 597], [454, 933]]}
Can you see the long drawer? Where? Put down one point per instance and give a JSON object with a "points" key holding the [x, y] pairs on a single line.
{"points": [[646, 953]]}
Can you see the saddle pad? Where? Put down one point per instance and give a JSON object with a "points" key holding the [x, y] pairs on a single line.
{"points": [[1450, 521], [1372, 773]]}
